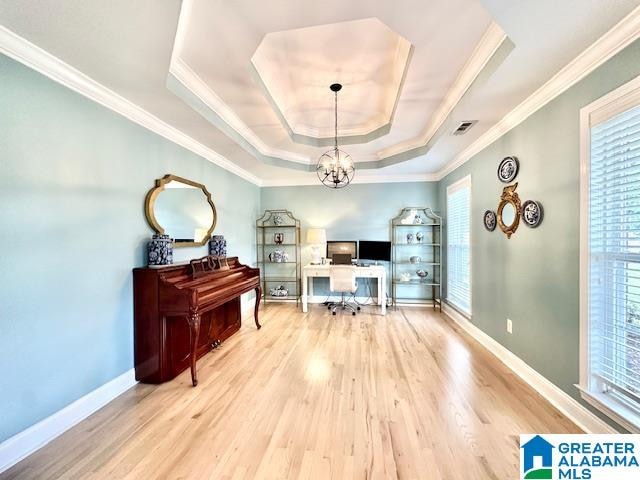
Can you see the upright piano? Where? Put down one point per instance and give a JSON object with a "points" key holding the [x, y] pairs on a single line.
{"points": [[183, 311]]}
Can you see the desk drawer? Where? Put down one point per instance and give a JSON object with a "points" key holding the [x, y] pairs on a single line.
{"points": [[317, 272], [365, 272]]}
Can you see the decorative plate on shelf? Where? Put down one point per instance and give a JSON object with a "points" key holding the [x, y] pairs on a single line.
{"points": [[489, 220], [532, 213], [508, 169]]}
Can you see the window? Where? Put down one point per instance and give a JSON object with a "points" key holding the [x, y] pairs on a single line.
{"points": [[459, 245], [610, 255]]}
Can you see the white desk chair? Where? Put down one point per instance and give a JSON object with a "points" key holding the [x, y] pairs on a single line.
{"points": [[342, 279]]}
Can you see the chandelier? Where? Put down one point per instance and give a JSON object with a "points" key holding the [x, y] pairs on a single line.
{"points": [[335, 168]]}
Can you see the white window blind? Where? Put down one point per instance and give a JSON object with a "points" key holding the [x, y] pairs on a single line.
{"points": [[459, 245], [614, 256]]}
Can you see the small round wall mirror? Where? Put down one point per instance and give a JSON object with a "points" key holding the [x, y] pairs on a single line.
{"points": [[509, 210], [182, 209]]}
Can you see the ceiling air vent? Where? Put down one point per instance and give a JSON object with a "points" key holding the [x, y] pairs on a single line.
{"points": [[464, 127]]}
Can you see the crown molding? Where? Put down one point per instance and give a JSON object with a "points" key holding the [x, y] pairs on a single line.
{"points": [[612, 42], [190, 80], [487, 47], [358, 179], [621, 35], [225, 116], [25, 52]]}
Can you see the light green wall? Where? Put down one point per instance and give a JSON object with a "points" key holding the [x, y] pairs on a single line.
{"points": [[357, 212], [533, 277], [73, 177]]}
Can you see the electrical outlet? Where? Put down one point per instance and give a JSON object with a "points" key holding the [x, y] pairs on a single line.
{"points": [[509, 326]]}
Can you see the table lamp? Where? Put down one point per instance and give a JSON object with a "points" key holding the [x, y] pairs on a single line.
{"points": [[316, 237]]}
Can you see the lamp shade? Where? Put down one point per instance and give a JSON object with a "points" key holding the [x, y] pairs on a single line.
{"points": [[316, 236]]}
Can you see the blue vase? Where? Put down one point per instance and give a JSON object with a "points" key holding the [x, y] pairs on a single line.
{"points": [[218, 246], [160, 250]]}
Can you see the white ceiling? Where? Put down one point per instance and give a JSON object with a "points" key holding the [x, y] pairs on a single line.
{"points": [[250, 79], [296, 67]]}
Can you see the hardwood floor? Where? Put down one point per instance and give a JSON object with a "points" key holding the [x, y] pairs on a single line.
{"points": [[403, 396]]}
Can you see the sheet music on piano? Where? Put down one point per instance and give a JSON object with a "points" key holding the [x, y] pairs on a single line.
{"points": [[208, 264]]}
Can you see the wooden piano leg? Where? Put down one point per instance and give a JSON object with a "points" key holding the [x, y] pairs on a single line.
{"points": [[255, 310], [194, 326]]}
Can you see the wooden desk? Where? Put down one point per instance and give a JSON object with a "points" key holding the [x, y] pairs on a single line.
{"points": [[378, 272]]}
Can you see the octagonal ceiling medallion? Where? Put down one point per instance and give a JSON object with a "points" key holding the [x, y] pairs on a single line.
{"points": [[297, 87]]}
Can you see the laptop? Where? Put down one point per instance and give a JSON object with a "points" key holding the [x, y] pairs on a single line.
{"points": [[341, 259]]}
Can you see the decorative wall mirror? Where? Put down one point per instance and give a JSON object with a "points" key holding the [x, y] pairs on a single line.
{"points": [[182, 209], [509, 210]]}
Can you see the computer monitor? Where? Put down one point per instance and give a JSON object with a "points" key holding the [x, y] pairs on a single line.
{"points": [[370, 250], [349, 247]]}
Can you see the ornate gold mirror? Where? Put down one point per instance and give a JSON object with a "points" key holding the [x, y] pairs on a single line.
{"points": [[509, 210], [182, 209]]}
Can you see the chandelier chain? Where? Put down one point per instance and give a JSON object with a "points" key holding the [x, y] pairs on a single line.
{"points": [[335, 168], [336, 120]]}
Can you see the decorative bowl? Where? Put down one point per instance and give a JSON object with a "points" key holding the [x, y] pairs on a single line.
{"points": [[415, 259], [422, 273]]}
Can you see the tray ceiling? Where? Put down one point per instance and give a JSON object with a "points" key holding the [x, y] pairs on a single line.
{"points": [[248, 81], [400, 82]]}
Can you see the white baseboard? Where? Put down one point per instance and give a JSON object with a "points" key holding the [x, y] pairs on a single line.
{"points": [[567, 405], [37, 436]]}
